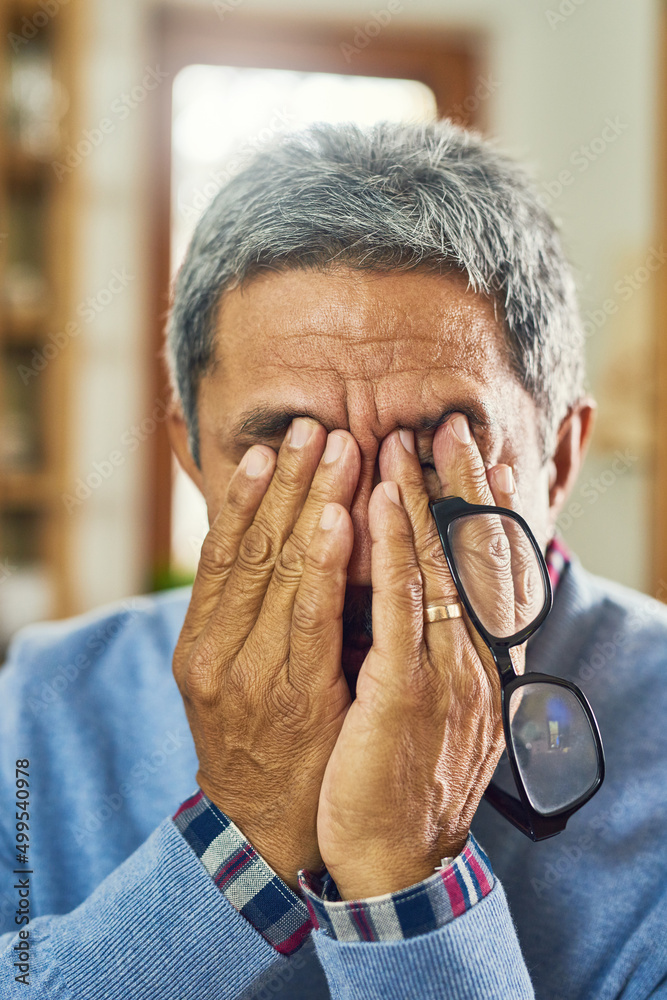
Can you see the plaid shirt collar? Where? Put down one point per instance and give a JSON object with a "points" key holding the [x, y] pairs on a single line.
{"points": [[557, 558]]}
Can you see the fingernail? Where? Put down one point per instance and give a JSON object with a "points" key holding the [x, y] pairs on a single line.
{"points": [[504, 478], [329, 516], [407, 440], [461, 429], [334, 449], [391, 489], [255, 463], [299, 432]]}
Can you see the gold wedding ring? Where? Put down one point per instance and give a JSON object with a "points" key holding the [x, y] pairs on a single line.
{"points": [[439, 612]]}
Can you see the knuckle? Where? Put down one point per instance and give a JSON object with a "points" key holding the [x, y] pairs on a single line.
{"points": [[288, 478], [307, 617], [319, 559], [290, 560], [257, 546], [238, 494], [216, 554], [490, 543], [475, 482], [497, 549], [199, 683], [404, 579], [433, 556]]}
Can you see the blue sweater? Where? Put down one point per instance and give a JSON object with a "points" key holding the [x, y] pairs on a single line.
{"points": [[121, 907]]}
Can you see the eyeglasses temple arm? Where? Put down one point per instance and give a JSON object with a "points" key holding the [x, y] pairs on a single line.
{"points": [[509, 807]]}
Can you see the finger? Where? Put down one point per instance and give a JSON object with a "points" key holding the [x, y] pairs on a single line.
{"points": [[503, 487], [479, 542], [399, 462], [458, 462], [316, 635], [444, 640], [527, 581], [334, 482], [220, 548], [529, 590], [483, 557], [264, 538], [397, 600]]}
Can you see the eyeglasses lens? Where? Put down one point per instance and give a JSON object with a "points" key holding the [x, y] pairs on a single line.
{"points": [[499, 570], [553, 744]]}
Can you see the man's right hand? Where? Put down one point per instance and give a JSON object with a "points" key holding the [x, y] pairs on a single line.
{"points": [[258, 661]]}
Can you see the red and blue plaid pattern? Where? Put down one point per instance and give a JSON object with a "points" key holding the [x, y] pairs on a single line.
{"points": [[416, 910], [557, 558], [259, 895], [243, 876]]}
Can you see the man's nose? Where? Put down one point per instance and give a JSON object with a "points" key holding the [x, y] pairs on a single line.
{"points": [[359, 566]]}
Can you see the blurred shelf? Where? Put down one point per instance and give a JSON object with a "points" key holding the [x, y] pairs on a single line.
{"points": [[28, 8], [24, 171], [25, 325], [39, 216], [33, 489]]}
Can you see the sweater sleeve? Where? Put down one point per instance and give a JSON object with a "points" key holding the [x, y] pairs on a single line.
{"points": [[450, 937], [475, 956], [156, 926]]}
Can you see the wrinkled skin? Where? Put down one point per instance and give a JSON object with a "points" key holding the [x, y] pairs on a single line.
{"points": [[331, 724]]}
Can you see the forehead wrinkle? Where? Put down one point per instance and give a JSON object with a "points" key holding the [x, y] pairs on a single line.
{"points": [[376, 371], [378, 357], [456, 332]]}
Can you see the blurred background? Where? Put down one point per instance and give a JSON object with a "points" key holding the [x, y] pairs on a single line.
{"points": [[119, 123]]}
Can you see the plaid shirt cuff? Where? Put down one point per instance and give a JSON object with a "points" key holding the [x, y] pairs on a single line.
{"points": [[242, 875], [416, 910]]}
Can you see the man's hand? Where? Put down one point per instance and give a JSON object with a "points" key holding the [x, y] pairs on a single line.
{"points": [[258, 661], [421, 741]]}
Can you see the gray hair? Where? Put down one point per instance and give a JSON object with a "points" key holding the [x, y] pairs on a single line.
{"points": [[388, 197]]}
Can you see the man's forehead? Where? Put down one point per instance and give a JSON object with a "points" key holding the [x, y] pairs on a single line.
{"points": [[355, 324]]}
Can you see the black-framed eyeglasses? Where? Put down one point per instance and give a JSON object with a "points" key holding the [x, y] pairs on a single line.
{"points": [[554, 757]]}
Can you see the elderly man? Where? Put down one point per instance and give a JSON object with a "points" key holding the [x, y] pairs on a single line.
{"points": [[365, 321]]}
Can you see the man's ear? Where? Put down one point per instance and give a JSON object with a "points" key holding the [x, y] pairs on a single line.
{"points": [[177, 430], [574, 435]]}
